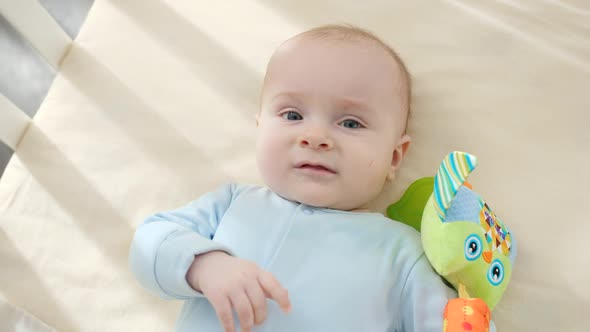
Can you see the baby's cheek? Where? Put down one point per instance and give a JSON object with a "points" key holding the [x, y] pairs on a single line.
{"points": [[373, 172], [269, 156], [264, 159], [370, 160]]}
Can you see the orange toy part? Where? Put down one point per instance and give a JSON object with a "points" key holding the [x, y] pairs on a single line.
{"points": [[466, 314]]}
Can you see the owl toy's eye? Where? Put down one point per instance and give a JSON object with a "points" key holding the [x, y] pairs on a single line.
{"points": [[496, 273], [473, 247]]}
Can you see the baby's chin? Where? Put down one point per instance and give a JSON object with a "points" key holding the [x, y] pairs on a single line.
{"points": [[318, 198]]}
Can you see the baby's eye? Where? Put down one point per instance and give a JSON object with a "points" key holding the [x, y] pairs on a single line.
{"points": [[292, 116], [352, 124]]}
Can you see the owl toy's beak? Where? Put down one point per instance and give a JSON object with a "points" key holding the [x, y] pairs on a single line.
{"points": [[487, 256]]}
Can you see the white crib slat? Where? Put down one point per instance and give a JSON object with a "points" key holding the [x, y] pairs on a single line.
{"points": [[37, 26], [13, 122]]}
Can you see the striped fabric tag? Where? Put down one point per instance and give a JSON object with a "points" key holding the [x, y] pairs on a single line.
{"points": [[453, 171]]}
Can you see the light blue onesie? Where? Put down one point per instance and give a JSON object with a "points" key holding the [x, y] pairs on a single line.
{"points": [[345, 271]]}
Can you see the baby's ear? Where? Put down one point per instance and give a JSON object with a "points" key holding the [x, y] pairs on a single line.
{"points": [[398, 155]]}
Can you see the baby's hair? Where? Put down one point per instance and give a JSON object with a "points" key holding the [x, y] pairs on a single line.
{"points": [[352, 33]]}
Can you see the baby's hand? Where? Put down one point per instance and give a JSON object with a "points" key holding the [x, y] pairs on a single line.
{"points": [[230, 282]]}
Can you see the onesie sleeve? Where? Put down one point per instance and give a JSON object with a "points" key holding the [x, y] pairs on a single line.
{"points": [[165, 244], [424, 298]]}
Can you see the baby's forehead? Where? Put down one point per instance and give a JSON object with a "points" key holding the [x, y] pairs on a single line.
{"points": [[335, 70], [335, 61], [300, 43], [338, 49], [332, 52]]}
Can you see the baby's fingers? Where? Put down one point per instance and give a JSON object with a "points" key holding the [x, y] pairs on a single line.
{"points": [[273, 290], [223, 310], [243, 308], [258, 301]]}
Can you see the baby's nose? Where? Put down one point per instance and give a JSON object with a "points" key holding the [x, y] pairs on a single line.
{"points": [[316, 142]]}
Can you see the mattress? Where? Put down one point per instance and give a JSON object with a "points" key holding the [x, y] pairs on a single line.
{"points": [[154, 104]]}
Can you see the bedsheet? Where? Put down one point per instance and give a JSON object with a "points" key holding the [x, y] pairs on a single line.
{"points": [[155, 102]]}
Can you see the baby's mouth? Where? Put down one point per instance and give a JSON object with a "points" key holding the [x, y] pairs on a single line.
{"points": [[315, 167]]}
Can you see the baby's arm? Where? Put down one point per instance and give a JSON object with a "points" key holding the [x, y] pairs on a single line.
{"points": [[173, 255], [424, 298], [165, 245]]}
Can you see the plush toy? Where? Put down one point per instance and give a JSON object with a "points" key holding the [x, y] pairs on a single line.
{"points": [[463, 239]]}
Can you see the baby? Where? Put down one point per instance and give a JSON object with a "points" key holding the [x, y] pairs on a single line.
{"points": [[304, 253]]}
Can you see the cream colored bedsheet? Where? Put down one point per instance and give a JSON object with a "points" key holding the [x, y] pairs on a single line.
{"points": [[16, 319], [154, 105]]}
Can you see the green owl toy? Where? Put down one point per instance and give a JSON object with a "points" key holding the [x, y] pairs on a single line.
{"points": [[463, 239]]}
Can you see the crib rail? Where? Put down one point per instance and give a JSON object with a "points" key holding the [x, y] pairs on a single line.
{"points": [[30, 19], [13, 123], [38, 27]]}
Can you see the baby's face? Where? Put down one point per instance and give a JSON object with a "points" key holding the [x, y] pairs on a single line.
{"points": [[331, 124]]}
